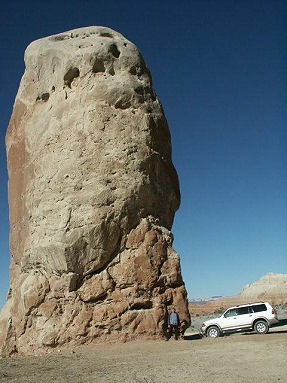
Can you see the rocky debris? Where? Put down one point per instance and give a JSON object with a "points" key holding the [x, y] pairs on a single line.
{"points": [[92, 197]]}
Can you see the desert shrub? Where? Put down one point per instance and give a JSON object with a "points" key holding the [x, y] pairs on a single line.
{"points": [[219, 311]]}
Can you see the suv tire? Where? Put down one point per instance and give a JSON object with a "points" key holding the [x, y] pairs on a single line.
{"points": [[261, 327], [213, 332]]}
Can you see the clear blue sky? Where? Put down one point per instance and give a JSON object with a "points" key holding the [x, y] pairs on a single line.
{"points": [[219, 68]]}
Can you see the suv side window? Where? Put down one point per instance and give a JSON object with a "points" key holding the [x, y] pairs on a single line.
{"points": [[243, 310], [258, 308], [230, 313]]}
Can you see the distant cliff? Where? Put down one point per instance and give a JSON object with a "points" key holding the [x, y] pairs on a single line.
{"points": [[271, 287]]}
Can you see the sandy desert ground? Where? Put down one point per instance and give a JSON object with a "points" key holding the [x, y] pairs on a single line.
{"points": [[240, 358]]}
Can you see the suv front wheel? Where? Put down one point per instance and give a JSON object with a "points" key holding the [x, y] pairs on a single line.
{"points": [[213, 332], [261, 327]]}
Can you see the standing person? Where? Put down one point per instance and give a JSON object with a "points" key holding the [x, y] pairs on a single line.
{"points": [[173, 324]]}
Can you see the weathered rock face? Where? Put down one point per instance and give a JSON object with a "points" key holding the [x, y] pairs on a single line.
{"points": [[271, 287], [92, 196]]}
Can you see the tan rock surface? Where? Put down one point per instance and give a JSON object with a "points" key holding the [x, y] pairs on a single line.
{"points": [[271, 287], [92, 197]]}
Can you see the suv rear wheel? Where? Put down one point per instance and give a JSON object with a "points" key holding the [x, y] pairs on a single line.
{"points": [[261, 327], [213, 332]]}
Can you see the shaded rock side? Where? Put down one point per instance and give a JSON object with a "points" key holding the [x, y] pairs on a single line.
{"points": [[92, 197]]}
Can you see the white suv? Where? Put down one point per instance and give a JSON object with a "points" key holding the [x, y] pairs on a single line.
{"points": [[254, 316]]}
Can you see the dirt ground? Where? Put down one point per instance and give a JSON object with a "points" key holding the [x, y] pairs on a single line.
{"points": [[240, 358]]}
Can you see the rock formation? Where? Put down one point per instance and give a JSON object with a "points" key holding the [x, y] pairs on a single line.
{"points": [[92, 197], [271, 287]]}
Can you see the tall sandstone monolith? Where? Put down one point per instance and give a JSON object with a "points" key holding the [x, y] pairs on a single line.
{"points": [[92, 197]]}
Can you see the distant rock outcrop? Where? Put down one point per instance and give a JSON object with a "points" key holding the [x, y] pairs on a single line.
{"points": [[92, 197], [271, 287]]}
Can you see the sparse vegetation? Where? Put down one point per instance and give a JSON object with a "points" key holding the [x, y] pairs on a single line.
{"points": [[219, 311]]}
